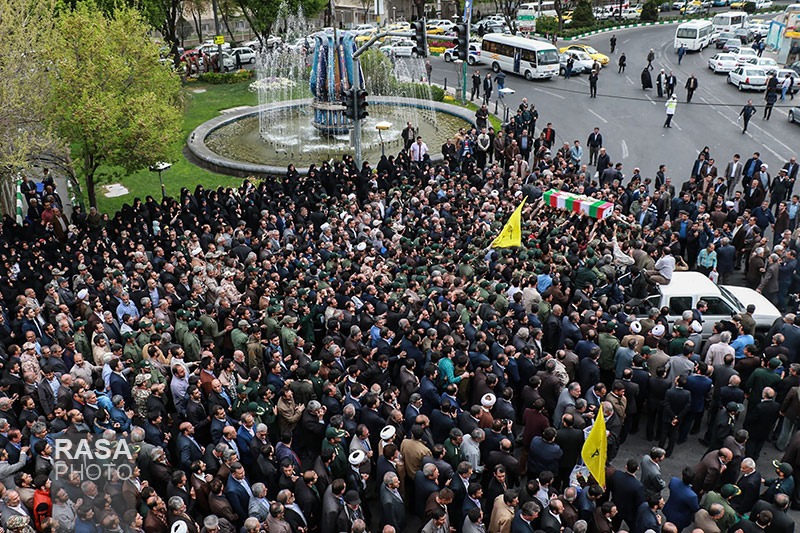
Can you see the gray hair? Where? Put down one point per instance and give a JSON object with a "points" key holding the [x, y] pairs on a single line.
{"points": [[175, 503], [389, 478], [313, 405], [478, 435], [283, 496], [251, 524], [687, 315], [259, 490], [523, 333], [725, 337], [137, 434], [428, 469], [211, 522], [38, 427], [580, 526], [748, 462], [155, 453], [261, 427]]}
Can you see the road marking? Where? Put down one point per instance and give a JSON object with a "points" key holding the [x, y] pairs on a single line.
{"points": [[624, 149], [676, 125], [651, 100], [629, 80], [548, 92], [598, 116], [625, 41]]}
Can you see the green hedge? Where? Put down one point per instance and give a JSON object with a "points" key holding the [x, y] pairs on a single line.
{"points": [[420, 90], [216, 78]]}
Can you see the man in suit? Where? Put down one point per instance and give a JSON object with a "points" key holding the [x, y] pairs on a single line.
{"points": [[259, 504], [647, 515], [523, 519], [238, 490], [627, 492], [751, 167], [709, 469], [749, 484], [759, 422], [733, 174], [677, 402], [651, 478], [550, 520], [781, 521], [189, 450], [394, 512], [791, 171], [691, 87]]}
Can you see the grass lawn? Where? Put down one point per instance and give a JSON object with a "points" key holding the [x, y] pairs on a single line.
{"points": [[200, 107]]}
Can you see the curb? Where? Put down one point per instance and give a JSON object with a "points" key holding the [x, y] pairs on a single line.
{"points": [[640, 24]]}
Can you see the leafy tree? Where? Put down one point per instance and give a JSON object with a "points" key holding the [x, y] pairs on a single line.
{"points": [[262, 14], [25, 31], [196, 9], [167, 17], [509, 9], [583, 16], [111, 99], [649, 11]]}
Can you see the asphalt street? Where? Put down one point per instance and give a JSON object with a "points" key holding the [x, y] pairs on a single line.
{"points": [[631, 119]]}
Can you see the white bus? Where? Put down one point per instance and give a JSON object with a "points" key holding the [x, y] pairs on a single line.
{"points": [[694, 35], [729, 21], [527, 57], [527, 14]]}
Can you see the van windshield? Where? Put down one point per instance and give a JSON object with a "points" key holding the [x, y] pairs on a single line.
{"points": [[730, 296], [687, 33], [547, 57]]}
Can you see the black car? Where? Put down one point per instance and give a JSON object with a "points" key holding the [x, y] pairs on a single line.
{"points": [[722, 37], [666, 6]]}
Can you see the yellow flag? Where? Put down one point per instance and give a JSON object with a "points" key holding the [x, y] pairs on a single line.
{"points": [[512, 231], [595, 450]]}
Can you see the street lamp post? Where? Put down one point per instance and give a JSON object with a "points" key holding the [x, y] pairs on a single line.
{"points": [[381, 127], [160, 167]]}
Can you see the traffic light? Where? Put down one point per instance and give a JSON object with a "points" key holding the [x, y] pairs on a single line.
{"points": [[420, 38], [350, 104], [462, 41], [361, 97]]}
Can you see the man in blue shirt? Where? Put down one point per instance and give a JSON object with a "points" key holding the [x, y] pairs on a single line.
{"points": [[126, 307]]}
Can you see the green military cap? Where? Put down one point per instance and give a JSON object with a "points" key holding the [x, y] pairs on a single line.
{"points": [[589, 251], [145, 323], [500, 287], [436, 246], [127, 335], [419, 279], [681, 329], [145, 363], [241, 388], [333, 433], [190, 304], [472, 303], [256, 409], [181, 313], [80, 323], [314, 366], [252, 268], [195, 324], [161, 327], [468, 257], [426, 250], [590, 263], [421, 270], [484, 284]]}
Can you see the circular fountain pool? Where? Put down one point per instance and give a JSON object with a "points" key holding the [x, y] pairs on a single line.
{"points": [[237, 143]]}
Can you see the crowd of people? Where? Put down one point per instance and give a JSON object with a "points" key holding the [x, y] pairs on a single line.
{"points": [[344, 351]]}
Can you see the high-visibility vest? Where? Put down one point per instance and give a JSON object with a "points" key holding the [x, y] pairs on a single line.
{"points": [[672, 105]]}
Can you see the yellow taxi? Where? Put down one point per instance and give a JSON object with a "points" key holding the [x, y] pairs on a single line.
{"points": [[593, 53], [432, 29], [399, 26], [737, 5]]}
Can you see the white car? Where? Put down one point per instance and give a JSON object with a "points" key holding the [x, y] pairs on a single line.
{"points": [[474, 57], [795, 78], [748, 77], [759, 28], [246, 55], [301, 44], [582, 62], [767, 63], [687, 288], [630, 13], [744, 54], [446, 25], [228, 62], [722, 63], [404, 48], [365, 29], [763, 4]]}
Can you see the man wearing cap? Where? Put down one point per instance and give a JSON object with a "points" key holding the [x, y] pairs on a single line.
{"points": [[351, 512], [783, 483], [723, 498]]}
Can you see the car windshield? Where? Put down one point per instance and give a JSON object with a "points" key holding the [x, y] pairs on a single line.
{"points": [[754, 72], [687, 33], [547, 57], [591, 50]]}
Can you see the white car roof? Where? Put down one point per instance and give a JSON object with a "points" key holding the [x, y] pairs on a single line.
{"points": [[689, 283]]}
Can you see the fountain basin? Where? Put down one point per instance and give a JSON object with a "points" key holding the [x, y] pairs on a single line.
{"points": [[231, 144]]}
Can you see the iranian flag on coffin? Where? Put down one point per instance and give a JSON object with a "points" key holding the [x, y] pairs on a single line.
{"points": [[578, 203]]}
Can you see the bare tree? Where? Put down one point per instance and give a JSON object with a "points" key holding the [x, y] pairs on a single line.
{"points": [[509, 10]]}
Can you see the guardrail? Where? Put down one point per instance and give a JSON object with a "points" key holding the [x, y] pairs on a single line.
{"points": [[640, 24]]}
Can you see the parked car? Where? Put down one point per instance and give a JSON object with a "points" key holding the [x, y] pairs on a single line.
{"points": [[404, 48], [767, 63], [744, 54], [782, 72], [364, 29], [744, 35], [474, 57], [720, 39], [246, 55], [795, 67], [720, 3], [722, 63], [630, 14], [666, 6], [748, 77], [794, 114], [593, 53], [582, 62], [732, 46], [759, 29], [301, 44]]}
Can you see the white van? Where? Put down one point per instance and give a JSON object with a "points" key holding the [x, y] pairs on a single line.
{"points": [[687, 288], [729, 21], [694, 35], [531, 58]]}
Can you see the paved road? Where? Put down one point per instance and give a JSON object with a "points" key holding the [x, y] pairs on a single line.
{"points": [[631, 119]]}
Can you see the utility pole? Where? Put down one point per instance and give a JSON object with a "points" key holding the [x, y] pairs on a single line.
{"points": [[468, 22]]}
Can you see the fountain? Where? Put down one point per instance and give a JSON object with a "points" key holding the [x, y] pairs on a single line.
{"points": [[300, 117]]}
